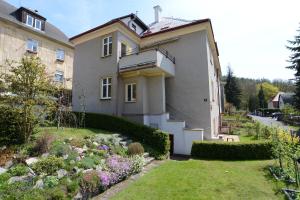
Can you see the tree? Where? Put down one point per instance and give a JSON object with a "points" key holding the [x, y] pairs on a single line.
{"points": [[261, 98], [269, 90], [29, 92], [232, 90], [252, 103], [295, 65]]}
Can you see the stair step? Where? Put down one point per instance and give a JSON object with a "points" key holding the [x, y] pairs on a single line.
{"points": [[148, 160], [146, 155]]}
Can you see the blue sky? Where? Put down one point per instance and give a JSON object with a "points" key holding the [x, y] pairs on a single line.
{"points": [[251, 34]]}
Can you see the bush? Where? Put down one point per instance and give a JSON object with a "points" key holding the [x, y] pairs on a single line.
{"points": [[232, 150], [156, 139], [10, 132], [48, 165], [60, 149], [51, 181], [43, 143], [135, 149], [18, 170], [90, 184], [137, 164]]}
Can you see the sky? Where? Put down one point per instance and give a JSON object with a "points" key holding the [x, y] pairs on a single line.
{"points": [[251, 34]]}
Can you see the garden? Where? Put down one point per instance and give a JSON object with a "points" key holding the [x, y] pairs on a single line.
{"points": [[49, 152]]}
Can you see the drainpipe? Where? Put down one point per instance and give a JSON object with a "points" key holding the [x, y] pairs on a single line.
{"points": [[220, 118]]}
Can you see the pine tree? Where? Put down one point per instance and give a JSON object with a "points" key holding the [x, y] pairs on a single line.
{"points": [[295, 65], [261, 98], [232, 90]]}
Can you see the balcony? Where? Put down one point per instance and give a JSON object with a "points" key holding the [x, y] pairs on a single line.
{"points": [[149, 62]]}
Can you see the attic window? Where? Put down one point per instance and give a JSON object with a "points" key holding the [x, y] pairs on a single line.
{"points": [[29, 20], [133, 27], [164, 28]]}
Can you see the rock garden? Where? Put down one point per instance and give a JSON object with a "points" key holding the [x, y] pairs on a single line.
{"points": [[53, 168]]}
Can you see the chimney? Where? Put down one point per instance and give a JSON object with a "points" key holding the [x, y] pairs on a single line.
{"points": [[157, 10]]}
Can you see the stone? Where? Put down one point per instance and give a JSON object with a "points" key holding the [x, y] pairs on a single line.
{"points": [[31, 161], [45, 155], [61, 173], [86, 170], [65, 157], [8, 164], [85, 147], [2, 170], [3, 148], [72, 162], [31, 171], [20, 179], [78, 196], [96, 144], [79, 150], [77, 170], [39, 184]]}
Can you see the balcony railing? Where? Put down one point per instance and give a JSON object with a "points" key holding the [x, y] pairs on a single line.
{"points": [[148, 61]]}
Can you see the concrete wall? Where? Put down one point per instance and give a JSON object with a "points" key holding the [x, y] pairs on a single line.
{"points": [[13, 45], [188, 93]]}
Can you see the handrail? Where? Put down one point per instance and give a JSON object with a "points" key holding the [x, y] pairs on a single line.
{"points": [[138, 51]]}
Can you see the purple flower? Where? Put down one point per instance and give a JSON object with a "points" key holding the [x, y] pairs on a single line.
{"points": [[105, 179], [103, 147]]}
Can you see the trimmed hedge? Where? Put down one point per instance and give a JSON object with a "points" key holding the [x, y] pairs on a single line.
{"points": [[232, 150], [157, 140]]}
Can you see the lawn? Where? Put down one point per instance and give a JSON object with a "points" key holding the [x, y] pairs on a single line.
{"points": [[75, 133], [200, 179]]}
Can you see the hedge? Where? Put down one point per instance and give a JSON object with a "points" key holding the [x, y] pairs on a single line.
{"points": [[157, 140], [257, 150]]}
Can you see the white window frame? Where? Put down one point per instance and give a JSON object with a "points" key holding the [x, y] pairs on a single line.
{"points": [[40, 23], [27, 17], [31, 42], [132, 98], [107, 43], [105, 86], [60, 73], [60, 54]]}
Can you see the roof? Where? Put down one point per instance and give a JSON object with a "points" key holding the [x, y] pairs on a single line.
{"points": [[138, 21], [276, 98], [8, 13]]}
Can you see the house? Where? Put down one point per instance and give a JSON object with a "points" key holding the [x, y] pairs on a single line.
{"points": [[281, 100], [165, 75], [26, 31]]}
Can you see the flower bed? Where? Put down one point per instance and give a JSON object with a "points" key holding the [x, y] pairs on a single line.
{"points": [[291, 194], [280, 175], [69, 169]]}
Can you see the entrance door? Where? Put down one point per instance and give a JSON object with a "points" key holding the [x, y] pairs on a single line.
{"points": [[171, 138]]}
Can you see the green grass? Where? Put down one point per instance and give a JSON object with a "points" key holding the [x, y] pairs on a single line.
{"points": [[200, 179], [75, 133]]}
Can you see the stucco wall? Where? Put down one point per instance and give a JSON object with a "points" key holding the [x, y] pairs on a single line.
{"points": [[187, 94], [13, 45], [89, 68]]}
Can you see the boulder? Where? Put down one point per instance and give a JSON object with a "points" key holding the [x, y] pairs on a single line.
{"points": [[31, 172], [2, 170], [65, 157], [39, 184], [79, 150], [8, 164], [31, 161], [77, 170], [14, 179], [45, 155], [96, 144], [61, 173]]}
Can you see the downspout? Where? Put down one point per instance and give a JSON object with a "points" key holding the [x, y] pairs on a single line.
{"points": [[219, 98]]}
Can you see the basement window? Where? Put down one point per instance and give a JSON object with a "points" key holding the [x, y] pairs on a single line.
{"points": [[130, 92]]}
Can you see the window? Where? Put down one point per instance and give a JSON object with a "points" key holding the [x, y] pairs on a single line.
{"points": [[123, 49], [130, 92], [29, 20], [133, 27], [60, 55], [106, 88], [32, 45], [59, 76], [38, 24], [107, 46]]}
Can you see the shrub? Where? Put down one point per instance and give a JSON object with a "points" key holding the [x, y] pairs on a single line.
{"points": [[18, 170], [232, 150], [10, 132], [51, 181], [55, 193], [90, 183], [137, 164], [43, 143], [89, 162], [48, 165], [60, 149], [156, 139], [135, 149]]}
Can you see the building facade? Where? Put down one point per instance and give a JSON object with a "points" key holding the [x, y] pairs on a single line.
{"points": [[25, 32], [165, 75]]}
